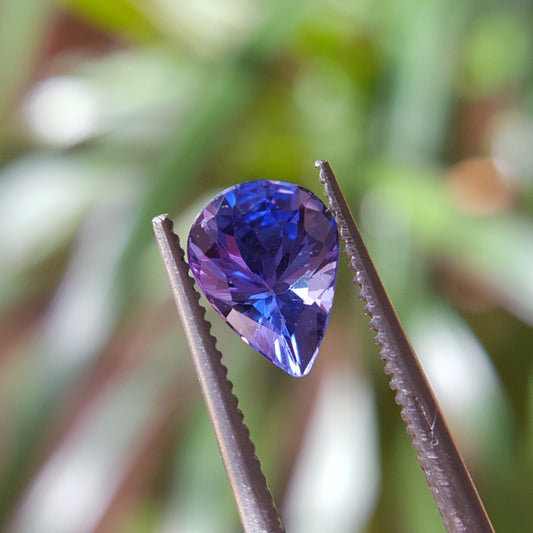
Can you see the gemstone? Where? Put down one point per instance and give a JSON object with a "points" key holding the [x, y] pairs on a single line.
{"points": [[265, 254]]}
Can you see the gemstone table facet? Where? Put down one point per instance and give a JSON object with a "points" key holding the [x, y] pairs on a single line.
{"points": [[265, 254]]}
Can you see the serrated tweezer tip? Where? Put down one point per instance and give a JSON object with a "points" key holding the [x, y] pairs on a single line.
{"points": [[446, 474], [254, 501]]}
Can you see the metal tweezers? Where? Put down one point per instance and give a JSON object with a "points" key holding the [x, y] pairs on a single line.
{"points": [[448, 479]]}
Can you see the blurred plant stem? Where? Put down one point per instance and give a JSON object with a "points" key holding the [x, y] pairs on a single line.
{"points": [[424, 73], [22, 33]]}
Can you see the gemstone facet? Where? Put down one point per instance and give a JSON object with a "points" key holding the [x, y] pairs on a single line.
{"points": [[265, 254]]}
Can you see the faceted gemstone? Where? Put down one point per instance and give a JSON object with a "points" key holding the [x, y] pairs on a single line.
{"points": [[265, 254]]}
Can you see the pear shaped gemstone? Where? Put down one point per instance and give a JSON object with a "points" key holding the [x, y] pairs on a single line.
{"points": [[265, 254]]}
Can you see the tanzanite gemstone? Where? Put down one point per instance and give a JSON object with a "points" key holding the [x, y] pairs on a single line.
{"points": [[265, 254]]}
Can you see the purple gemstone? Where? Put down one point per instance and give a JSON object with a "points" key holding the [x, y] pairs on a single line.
{"points": [[265, 254]]}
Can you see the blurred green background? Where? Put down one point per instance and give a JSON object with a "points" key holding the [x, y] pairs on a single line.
{"points": [[112, 112]]}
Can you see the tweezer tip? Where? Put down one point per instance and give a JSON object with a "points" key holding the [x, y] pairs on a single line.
{"points": [[325, 171], [159, 220]]}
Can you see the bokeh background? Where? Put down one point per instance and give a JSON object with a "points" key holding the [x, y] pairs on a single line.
{"points": [[112, 112]]}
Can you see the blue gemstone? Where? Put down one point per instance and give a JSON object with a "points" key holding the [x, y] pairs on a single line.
{"points": [[265, 254]]}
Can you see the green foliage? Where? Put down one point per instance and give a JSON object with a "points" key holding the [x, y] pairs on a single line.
{"points": [[116, 111]]}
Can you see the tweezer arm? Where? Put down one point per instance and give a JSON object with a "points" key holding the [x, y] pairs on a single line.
{"points": [[254, 501], [448, 479]]}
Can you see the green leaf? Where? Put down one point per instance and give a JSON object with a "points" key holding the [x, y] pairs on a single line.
{"points": [[127, 18], [22, 26]]}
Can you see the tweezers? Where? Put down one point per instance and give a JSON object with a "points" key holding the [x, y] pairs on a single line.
{"points": [[447, 477]]}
